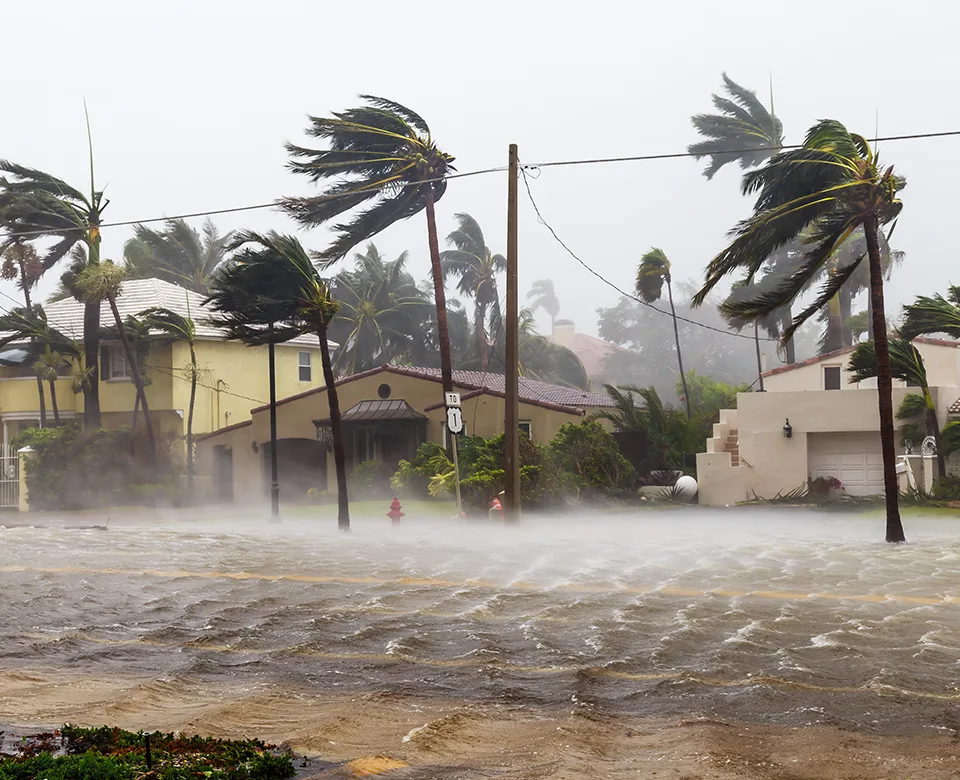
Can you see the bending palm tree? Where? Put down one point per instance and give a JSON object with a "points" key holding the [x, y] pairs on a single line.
{"points": [[47, 368], [43, 206], [833, 185], [545, 298], [477, 268], [180, 328], [653, 273], [269, 293], [382, 153], [177, 253], [103, 282], [906, 364]]}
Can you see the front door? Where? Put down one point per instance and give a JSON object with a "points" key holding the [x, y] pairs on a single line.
{"points": [[224, 459]]}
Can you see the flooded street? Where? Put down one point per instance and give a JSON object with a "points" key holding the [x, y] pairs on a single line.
{"points": [[777, 620]]}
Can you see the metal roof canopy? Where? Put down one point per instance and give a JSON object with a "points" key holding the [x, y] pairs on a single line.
{"points": [[391, 410]]}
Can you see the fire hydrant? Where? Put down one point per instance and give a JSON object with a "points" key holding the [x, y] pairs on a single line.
{"points": [[496, 509], [395, 513]]}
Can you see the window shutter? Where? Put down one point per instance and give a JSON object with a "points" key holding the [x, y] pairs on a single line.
{"points": [[104, 363]]}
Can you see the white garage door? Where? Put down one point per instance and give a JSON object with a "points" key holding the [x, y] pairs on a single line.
{"points": [[853, 458]]}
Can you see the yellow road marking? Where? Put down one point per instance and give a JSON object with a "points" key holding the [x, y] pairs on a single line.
{"points": [[431, 582]]}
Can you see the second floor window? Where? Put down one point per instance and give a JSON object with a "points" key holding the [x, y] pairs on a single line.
{"points": [[113, 363], [306, 370]]}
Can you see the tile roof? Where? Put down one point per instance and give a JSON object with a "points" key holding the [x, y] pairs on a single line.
{"points": [[138, 294], [532, 391], [954, 408]]}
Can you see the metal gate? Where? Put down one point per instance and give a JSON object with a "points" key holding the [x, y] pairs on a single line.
{"points": [[9, 478]]}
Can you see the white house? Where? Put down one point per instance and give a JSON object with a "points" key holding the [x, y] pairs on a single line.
{"points": [[833, 426]]}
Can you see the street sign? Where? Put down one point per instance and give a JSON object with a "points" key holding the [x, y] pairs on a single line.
{"points": [[451, 399], [454, 419]]}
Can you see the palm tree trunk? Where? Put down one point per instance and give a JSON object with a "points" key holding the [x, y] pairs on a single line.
{"points": [[443, 333], [339, 457], [91, 347], [870, 318], [191, 467], [676, 335], [274, 467], [137, 379], [790, 346], [846, 309], [43, 403], [479, 318], [834, 340], [756, 341], [884, 386], [136, 411], [26, 298], [53, 401]]}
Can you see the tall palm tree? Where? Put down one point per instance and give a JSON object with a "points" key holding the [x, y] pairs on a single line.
{"points": [[270, 292], [141, 339], [22, 263], [42, 206], [104, 282], [476, 267], [652, 274], [832, 185], [382, 311], [906, 364], [56, 349], [545, 297], [743, 131], [177, 253], [379, 153], [180, 328]]}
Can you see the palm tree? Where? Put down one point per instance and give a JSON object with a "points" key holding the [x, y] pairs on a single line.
{"points": [[743, 131], [141, 340], [381, 312], [177, 253], [652, 274], [40, 205], [104, 282], [180, 328], [832, 185], [270, 292], [30, 324], [545, 298], [381, 152], [476, 267], [906, 364]]}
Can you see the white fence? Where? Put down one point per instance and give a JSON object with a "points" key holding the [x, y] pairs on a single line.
{"points": [[9, 478]]}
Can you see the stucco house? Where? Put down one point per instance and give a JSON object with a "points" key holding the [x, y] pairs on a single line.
{"points": [[387, 413], [234, 375], [833, 426]]}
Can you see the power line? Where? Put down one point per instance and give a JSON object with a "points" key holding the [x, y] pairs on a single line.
{"points": [[607, 282], [480, 172], [201, 384]]}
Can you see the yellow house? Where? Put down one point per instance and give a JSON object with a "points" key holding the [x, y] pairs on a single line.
{"points": [[234, 377], [387, 413]]}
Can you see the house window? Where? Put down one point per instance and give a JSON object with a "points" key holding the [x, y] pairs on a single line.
{"points": [[831, 377], [113, 363], [306, 370], [527, 428], [364, 446]]}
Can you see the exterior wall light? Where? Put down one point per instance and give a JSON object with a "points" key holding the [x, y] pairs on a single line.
{"points": [[787, 430]]}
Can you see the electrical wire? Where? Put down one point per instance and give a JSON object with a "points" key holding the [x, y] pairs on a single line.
{"points": [[201, 384], [623, 292], [480, 172]]}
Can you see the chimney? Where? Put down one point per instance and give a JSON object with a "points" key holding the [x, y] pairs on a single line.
{"points": [[563, 333]]}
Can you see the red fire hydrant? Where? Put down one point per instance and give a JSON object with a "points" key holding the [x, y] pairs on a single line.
{"points": [[395, 514]]}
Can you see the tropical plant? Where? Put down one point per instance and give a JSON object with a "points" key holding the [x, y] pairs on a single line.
{"points": [[380, 153], [141, 339], [669, 433], [53, 350], [40, 205], [907, 364], [382, 312], [742, 131], [832, 185], [270, 292], [476, 268], [104, 282], [929, 315], [590, 459], [652, 274], [177, 253], [545, 297], [179, 328]]}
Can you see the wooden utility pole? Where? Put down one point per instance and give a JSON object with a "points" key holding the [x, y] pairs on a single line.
{"points": [[511, 423], [274, 478]]}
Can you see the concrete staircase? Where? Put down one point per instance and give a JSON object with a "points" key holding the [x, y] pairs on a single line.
{"points": [[732, 445]]}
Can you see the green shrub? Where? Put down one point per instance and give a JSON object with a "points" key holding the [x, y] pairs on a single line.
{"points": [[413, 477], [590, 461], [75, 470], [946, 489], [371, 478]]}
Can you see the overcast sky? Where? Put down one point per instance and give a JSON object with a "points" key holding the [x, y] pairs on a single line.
{"points": [[191, 102]]}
